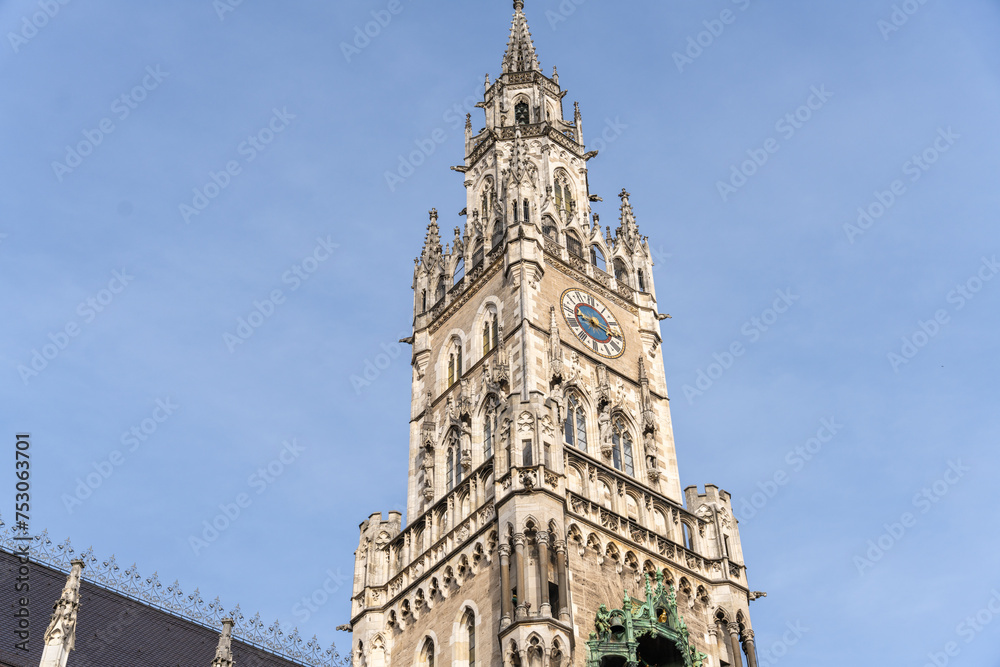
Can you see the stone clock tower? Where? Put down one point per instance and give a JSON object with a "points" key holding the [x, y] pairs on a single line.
{"points": [[546, 525]]}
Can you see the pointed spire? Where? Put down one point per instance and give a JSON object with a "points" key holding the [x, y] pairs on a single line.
{"points": [[520, 56], [627, 230], [224, 652], [60, 637], [432, 242]]}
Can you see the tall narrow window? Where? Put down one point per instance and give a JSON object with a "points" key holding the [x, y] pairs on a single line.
{"points": [[621, 447], [521, 113], [526, 460], [516, 207], [450, 469], [549, 227], [486, 338], [459, 270], [458, 463], [495, 330], [439, 294], [575, 427], [548, 455], [478, 255], [621, 272], [563, 192], [597, 258], [725, 539], [642, 280], [688, 542], [451, 369], [497, 235], [423, 301], [573, 245], [427, 653], [527, 216], [470, 624]]}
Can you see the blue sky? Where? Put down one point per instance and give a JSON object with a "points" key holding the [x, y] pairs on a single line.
{"points": [[913, 281]]}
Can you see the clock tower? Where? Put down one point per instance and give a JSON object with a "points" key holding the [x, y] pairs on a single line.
{"points": [[546, 524]]}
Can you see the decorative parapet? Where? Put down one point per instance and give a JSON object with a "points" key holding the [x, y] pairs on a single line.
{"points": [[128, 582]]}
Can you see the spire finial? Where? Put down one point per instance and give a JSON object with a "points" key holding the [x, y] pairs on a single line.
{"points": [[518, 5]]}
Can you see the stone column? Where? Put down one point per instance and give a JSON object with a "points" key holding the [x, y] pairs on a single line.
{"points": [[519, 562], [734, 641], [544, 609], [749, 648], [505, 611], [563, 602]]}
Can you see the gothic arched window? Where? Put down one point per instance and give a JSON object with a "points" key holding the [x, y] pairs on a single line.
{"points": [[564, 192], [455, 362], [621, 272], [477, 256], [427, 653], [597, 258], [573, 245], [621, 449], [549, 227], [470, 629], [522, 114], [688, 542], [490, 332], [575, 427]]}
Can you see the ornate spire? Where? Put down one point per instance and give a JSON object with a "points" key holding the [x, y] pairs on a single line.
{"points": [[627, 230], [520, 56], [224, 652], [60, 637], [432, 243]]}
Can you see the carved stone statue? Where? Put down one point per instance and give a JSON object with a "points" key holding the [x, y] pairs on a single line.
{"points": [[604, 429]]}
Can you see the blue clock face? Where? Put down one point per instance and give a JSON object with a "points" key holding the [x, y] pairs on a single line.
{"points": [[592, 323]]}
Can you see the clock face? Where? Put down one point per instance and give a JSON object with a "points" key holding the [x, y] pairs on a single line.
{"points": [[592, 323]]}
